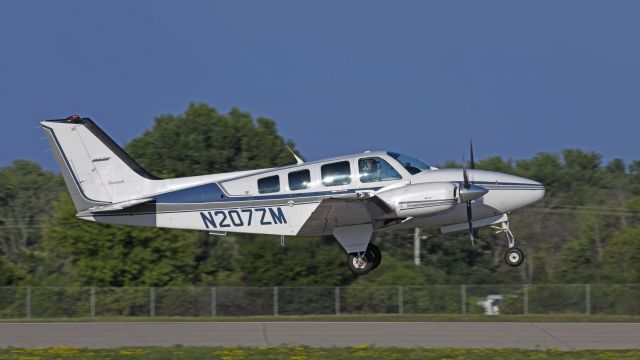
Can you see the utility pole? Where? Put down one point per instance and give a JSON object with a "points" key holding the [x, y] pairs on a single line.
{"points": [[416, 246]]}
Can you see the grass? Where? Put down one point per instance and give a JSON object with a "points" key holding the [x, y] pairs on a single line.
{"points": [[363, 318], [305, 352]]}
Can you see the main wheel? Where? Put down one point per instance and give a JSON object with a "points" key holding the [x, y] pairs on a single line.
{"points": [[376, 255], [361, 264], [514, 257]]}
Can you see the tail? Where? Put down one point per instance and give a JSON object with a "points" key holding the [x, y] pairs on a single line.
{"points": [[96, 170]]}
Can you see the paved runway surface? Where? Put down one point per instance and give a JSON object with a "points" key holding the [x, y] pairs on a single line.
{"points": [[565, 336]]}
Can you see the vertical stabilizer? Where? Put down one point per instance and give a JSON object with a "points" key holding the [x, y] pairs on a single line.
{"points": [[96, 170]]}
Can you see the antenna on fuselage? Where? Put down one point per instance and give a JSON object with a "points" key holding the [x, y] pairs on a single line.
{"points": [[298, 160]]}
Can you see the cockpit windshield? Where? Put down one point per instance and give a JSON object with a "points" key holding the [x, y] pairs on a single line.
{"points": [[412, 165]]}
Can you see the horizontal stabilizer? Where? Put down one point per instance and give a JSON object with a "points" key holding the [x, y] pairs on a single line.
{"points": [[119, 206]]}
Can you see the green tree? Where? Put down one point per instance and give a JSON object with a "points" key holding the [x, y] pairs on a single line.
{"points": [[495, 163], [580, 258], [10, 275], [27, 192], [91, 254], [304, 261], [203, 141], [622, 257]]}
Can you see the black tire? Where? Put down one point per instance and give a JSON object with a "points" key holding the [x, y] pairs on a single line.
{"points": [[514, 257], [376, 254], [360, 266]]}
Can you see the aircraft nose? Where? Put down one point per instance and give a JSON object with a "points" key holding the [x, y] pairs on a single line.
{"points": [[510, 192], [534, 192], [528, 192], [540, 194]]}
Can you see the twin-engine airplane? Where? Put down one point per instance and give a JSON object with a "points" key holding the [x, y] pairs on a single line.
{"points": [[348, 197]]}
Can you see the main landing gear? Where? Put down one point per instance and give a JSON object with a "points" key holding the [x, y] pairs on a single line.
{"points": [[363, 263], [513, 256]]}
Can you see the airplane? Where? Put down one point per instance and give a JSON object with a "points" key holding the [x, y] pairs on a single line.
{"points": [[349, 197]]}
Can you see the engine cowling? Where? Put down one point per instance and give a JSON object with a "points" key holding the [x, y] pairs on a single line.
{"points": [[420, 199]]}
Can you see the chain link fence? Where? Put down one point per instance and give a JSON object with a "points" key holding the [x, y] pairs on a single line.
{"points": [[69, 302]]}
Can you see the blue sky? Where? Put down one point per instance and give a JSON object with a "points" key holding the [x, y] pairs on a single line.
{"points": [[420, 77]]}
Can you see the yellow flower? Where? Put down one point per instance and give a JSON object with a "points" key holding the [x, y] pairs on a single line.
{"points": [[131, 352], [63, 351]]}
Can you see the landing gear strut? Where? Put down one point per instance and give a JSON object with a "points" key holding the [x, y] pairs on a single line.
{"points": [[363, 263], [513, 256]]}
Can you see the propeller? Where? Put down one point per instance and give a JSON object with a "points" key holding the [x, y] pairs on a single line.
{"points": [[470, 192]]}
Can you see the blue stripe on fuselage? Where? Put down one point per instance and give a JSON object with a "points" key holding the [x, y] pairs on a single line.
{"points": [[211, 193]]}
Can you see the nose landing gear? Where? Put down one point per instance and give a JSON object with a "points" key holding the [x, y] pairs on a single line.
{"points": [[513, 256], [363, 263]]}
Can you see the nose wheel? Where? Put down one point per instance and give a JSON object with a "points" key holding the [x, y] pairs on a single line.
{"points": [[513, 256], [363, 263]]}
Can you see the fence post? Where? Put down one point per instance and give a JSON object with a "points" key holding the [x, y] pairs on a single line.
{"points": [[275, 301], [400, 300], [416, 246], [152, 301], [92, 301], [525, 299], [28, 303], [587, 298], [213, 302], [337, 299], [463, 299]]}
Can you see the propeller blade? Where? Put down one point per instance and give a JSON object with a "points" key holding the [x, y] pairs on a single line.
{"points": [[469, 220], [465, 177], [470, 193], [472, 163]]}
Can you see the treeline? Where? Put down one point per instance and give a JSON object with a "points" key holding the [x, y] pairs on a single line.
{"points": [[585, 230]]}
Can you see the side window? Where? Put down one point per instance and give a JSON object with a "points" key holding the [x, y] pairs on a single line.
{"points": [[299, 180], [334, 174], [270, 184], [376, 169]]}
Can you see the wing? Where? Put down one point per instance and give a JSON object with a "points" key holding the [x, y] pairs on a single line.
{"points": [[352, 209]]}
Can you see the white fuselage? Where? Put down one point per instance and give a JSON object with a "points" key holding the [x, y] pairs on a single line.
{"points": [[240, 207]]}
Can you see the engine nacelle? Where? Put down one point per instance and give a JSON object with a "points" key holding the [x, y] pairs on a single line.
{"points": [[421, 199]]}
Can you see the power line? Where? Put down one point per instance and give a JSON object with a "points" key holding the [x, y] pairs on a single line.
{"points": [[22, 226], [583, 207], [23, 219], [574, 211]]}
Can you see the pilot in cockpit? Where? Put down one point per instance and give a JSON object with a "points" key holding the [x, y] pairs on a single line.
{"points": [[370, 170]]}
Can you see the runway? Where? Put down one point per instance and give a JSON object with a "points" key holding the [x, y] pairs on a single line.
{"points": [[563, 336]]}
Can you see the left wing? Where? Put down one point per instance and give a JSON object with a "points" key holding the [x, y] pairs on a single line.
{"points": [[352, 209]]}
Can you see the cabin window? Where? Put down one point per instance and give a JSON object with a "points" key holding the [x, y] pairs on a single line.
{"points": [[412, 165], [299, 180], [375, 169], [334, 174], [270, 184]]}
